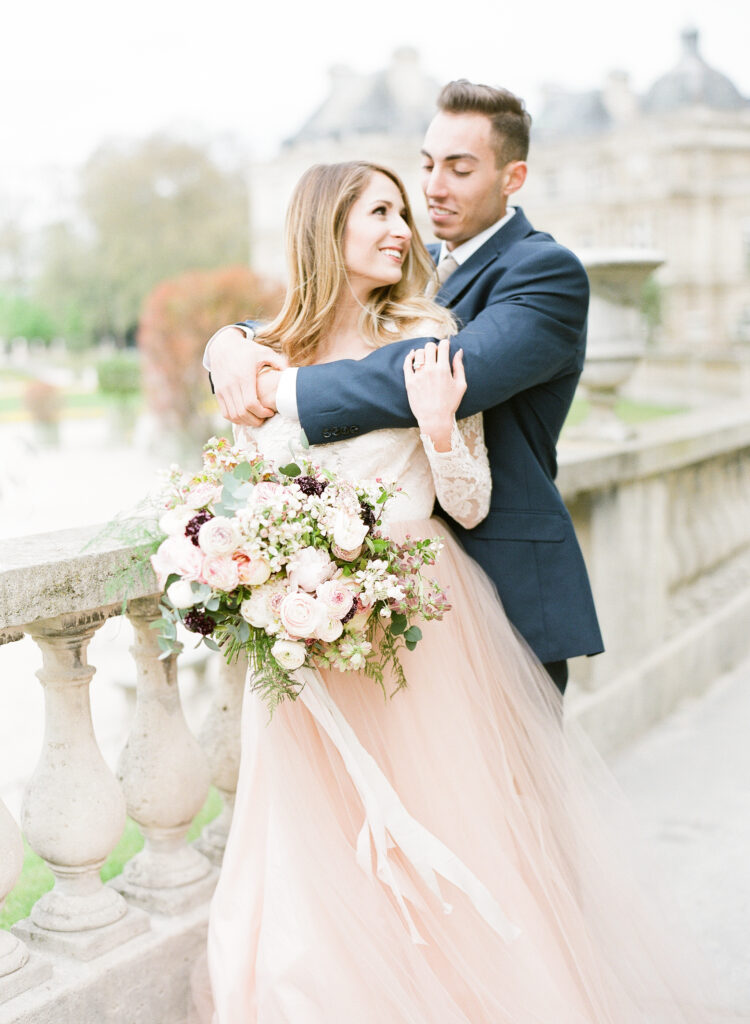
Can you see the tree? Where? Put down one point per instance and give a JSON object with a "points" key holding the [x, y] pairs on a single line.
{"points": [[177, 319], [149, 211]]}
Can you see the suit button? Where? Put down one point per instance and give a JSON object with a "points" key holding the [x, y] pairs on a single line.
{"points": [[326, 433], [354, 430]]}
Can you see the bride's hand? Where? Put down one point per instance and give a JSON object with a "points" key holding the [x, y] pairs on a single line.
{"points": [[435, 390], [235, 364]]}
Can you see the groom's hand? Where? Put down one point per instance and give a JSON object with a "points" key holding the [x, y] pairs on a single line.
{"points": [[235, 364]]}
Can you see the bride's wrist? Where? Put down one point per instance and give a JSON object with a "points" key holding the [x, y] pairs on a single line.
{"points": [[439, 430]]}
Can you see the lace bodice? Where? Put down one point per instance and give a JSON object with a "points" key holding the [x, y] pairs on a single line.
{"points": [[460, 477]]}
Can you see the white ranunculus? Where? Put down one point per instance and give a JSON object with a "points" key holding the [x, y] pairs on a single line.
{"points": [[182, 595], [255, 610], [290, 655], [174, 520], [329, 630], [349, 531], [219, 536]]}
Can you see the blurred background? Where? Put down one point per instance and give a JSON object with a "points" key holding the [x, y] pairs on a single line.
{"points": [[147, 161]]}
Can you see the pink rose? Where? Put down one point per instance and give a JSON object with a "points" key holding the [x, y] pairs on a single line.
{"points": [[253, 570], [309, 567], [266, 493], [220, 573], [177, 555], [337, 597], [203, 494], [300, 614], [219, 536]]}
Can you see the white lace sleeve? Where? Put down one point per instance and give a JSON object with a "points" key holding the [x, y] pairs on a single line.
{"points": [[462, 475]]}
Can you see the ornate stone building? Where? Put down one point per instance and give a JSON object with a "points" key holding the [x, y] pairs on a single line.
{"points": [[669, 170]]}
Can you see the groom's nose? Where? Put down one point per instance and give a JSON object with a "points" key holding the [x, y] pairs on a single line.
{"points": [[434, 184]]}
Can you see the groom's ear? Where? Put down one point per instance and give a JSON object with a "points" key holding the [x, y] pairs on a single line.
{"points": [[513, 177]]}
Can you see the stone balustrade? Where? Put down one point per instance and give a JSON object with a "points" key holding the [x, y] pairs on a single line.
{"points": [[128, 945], [664, 521]]}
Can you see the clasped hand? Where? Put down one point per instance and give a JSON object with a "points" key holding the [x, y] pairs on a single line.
{"points": [[435, 389], [245, 377]]}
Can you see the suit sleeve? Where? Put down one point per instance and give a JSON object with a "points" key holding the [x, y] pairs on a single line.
{"points": [[529, 331]]}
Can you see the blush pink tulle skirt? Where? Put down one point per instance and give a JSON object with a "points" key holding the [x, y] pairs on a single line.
{"points": [[299, 933]]}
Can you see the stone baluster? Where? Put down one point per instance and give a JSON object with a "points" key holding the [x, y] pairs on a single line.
{"points": [[165, 778], [220, 739], [73, 810], [17, 972]]}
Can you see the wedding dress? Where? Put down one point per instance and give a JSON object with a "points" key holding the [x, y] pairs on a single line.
{"points": [[301, 932]]}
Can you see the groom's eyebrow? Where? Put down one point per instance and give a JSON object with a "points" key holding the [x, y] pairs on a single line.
{"points": [[453, 156]]}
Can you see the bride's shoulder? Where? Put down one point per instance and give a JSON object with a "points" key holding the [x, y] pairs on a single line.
{"points": [[427, 327]]}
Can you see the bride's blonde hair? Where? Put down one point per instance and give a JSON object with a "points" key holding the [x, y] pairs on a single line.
{"points": [[314, 237]]}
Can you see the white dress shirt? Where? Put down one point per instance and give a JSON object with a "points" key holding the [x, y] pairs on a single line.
{"points": [[286, 393]]}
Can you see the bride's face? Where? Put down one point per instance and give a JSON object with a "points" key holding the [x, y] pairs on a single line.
{"points": [[376, 237]]}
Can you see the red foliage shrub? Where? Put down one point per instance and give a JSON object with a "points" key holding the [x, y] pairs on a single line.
{"points": [[178, 318]]}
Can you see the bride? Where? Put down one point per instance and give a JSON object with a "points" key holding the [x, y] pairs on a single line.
{"points": [[473, 748]]}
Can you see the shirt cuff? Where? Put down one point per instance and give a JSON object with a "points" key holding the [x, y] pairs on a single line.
{"points": [[286, 394], [247, 331]]}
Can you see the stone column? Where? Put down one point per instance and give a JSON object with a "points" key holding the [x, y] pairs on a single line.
{"points": [[165, 778], [220, 739], [73, 811]]}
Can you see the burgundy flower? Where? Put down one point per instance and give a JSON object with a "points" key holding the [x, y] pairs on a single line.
{"points": [[309, 485], [198, 622], [192, 528]]}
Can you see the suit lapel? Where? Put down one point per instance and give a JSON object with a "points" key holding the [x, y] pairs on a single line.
{"points": [[517, 227]]}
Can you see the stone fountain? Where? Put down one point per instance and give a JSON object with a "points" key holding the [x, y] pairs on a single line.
{"points": [[616, 333]]}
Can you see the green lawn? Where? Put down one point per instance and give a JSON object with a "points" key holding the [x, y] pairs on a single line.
{"points": [[627, 410], [36, 878]]}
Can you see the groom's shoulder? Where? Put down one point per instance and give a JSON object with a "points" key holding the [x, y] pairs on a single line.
{"points": [[534, 244]]}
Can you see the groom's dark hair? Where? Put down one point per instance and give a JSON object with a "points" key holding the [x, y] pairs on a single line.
{"points": [[510, 119]]}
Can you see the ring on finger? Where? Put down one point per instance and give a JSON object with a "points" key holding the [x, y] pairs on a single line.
{"points": [[418, 361]]}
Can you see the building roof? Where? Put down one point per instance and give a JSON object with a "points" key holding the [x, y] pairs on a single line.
{"points": [[399, 100], [571, 115], [692, 82]]}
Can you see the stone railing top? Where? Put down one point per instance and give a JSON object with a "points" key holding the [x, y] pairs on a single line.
{"points": [[51, 574], [670, 443]]}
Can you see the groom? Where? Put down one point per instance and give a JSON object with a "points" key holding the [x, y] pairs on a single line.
{"points": [[522, 301]]}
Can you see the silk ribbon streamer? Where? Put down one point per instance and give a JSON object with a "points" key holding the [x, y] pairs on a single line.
{"points": [[387, 822]]}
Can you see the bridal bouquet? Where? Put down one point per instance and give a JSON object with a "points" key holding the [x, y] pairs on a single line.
{"points": [[290, 565]]}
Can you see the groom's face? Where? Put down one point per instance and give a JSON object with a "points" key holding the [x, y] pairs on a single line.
{"points": [[464, 188]]}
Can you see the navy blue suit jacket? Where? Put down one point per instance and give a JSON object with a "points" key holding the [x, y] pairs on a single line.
{"points": [[522, 301]]}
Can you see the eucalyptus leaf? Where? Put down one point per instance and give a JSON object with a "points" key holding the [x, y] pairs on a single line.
{"points": [[399, 624], [212, 605], [211, 644], [292, 469], [413, 634], [243, 471]]}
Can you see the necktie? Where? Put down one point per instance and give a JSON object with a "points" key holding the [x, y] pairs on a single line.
{"points": [[444, 270]]}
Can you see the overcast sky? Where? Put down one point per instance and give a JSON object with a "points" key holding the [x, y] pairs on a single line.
{"points": [[76, 72]]}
